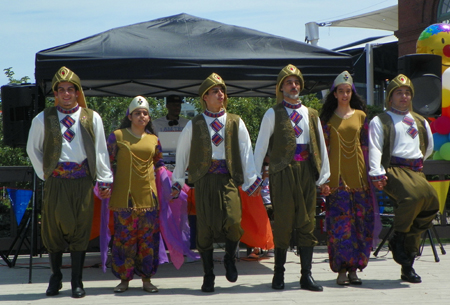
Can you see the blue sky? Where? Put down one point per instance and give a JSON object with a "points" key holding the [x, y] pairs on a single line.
{"points": [[29, 26]]}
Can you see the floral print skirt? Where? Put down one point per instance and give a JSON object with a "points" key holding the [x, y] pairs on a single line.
{"points": [[135, 246], [350, 225]]}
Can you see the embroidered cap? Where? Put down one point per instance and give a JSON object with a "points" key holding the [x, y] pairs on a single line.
{"points": [[138, 102], [397, 82], [343, 78], [213, 80], [285, 72], [66, 75]]}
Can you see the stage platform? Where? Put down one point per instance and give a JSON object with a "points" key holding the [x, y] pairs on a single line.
{"points": [[381, 283]]}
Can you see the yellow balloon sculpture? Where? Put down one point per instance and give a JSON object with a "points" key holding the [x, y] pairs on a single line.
{"points": [[435, 39]]}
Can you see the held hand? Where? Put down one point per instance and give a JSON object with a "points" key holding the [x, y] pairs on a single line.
{"points": [[257, 192], [380, 184], [325, 189], [105, 193], [175, 193]]}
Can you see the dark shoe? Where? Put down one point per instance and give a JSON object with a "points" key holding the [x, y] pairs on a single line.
{"points": [[208, 283], [353, 278], [306, 280], [410, 275], [77, 274], [229, 261], [278, 281], [55, 282], [78, 292], [54, 285], [208, 269], [397, 247], [278, 275]]}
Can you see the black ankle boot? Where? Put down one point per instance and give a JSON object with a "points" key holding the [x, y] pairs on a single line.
{"points": [[278, 274], [77, 274], [409, 274], [306, 280], [229, 260], [397, 247], [208, 269], [55, 283]]}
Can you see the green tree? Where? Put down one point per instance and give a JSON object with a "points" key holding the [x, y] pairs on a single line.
{"points": [[311, 100], [113, 109], [251, 110], [10, 156], [373, 111], [10, 74]]}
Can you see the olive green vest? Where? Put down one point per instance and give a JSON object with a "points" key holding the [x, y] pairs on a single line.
{"points": [[135, 175], [53, 140], [389, 136], [201, 150], [282, 143]]}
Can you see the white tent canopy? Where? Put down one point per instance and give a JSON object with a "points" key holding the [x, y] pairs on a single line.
{"points": [[384, 19], [362, 45]]}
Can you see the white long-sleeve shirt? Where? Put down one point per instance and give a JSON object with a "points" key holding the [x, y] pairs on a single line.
{"points": [[218, 152], [404, 146], [71, 151], [266, 131]]}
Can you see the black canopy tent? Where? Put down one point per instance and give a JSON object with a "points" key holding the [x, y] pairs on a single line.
{"points": [[173, 55]]}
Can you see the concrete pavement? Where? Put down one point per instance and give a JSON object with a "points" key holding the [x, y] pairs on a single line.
{"points": [[381, 283]]}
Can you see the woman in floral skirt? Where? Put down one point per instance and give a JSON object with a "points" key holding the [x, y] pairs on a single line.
{"points": [[349, 207], [136, 153]]}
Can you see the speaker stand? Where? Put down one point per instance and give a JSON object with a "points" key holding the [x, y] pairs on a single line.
{"points": [[22, 235], [433, 247], [385, 238], [6, 259]]}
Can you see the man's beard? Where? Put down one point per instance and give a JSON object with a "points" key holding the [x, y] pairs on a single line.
{"points": [[292, 96]]}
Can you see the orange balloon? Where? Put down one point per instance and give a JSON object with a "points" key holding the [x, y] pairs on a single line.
{"points": [[446, 111]]}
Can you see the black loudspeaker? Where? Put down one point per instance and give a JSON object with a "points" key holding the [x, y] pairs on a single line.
{"points": [[425, 72], [20, 103]]}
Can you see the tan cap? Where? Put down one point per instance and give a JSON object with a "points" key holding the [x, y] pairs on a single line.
{"points": [[213, 80], [66, 75], [138, 102], [285, 72], [343, 78]]}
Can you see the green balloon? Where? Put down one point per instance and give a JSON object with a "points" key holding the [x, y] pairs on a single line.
{"points": [[437, 156], [445, 151]]}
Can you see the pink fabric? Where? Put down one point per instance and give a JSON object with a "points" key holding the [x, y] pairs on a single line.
{"points": [[173, 217]]}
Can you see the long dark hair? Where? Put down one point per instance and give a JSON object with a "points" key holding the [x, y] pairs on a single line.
{"points": [[126, 123], [331, 103]]}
